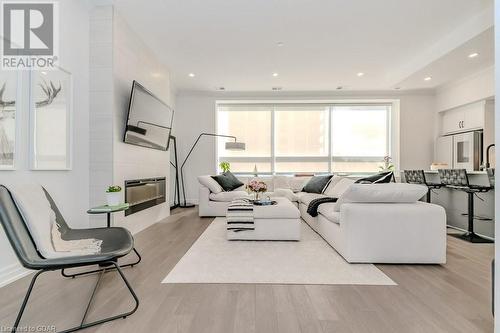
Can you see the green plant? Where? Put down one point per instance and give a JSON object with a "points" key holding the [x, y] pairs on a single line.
{"points": [[114, 188], [225, 166]]}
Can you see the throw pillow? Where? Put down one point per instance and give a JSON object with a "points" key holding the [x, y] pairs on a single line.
{"points": [[228, 181], [209, 182], [317, 184], [381, 193], [331, 183], [337, 187], [381, 178]]}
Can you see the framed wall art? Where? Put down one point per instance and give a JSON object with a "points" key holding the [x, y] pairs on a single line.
{"points": [[51, 120]]}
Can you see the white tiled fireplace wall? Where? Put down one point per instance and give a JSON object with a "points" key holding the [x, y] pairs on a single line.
{"points": [[118, 56]]}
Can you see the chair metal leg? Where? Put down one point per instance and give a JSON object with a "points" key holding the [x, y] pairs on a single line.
{"points": [[139, 258], [82, 323], [25, 301]]}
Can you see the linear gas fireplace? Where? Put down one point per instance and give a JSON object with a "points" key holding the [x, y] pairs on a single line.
{"points": [[144, 193]]}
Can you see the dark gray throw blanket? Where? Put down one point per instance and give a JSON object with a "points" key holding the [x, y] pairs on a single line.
{"points": [[312, 209]]}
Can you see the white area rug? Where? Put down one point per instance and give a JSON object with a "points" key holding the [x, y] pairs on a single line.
{"points": [[213, 259]]}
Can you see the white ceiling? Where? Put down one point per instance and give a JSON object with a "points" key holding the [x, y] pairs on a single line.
{"points": [[233, 43]]}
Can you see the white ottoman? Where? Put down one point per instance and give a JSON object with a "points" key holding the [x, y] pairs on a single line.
{"points": [[276, 222]]}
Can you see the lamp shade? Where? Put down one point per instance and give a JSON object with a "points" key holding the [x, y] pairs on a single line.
{"points": [[235, 145]]}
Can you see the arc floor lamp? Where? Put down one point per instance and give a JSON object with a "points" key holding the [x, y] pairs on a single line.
{"points": [[230, 145]]}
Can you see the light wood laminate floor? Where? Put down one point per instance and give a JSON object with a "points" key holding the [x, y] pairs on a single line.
{"points": [[428, 298]]}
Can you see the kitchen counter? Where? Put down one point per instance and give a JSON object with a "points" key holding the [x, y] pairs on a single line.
{"points": [[468, 172], [455, 203]]}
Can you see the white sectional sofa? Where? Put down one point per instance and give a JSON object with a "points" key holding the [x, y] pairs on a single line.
{"points": [[375, 223]]}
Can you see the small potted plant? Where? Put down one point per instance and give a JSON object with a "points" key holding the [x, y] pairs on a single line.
{"points": [[225, 166], [113, 195]]}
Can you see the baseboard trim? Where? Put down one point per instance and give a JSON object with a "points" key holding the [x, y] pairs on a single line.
{"points": [[12, 273], [460, 229]]}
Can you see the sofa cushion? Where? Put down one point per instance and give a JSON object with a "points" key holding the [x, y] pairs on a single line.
{"points": [[328, 211], [338, 186], [209, 182], [282, 182], [306, 198], [285, 193], [382, 193], [228, 181], [317, 184], [227, 196], [298, 183]]}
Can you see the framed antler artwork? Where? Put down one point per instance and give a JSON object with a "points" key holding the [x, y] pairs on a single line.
{"points": [[9, 81], [51, 120]]}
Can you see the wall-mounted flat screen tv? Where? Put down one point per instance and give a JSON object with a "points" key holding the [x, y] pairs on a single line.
{"points": [[149, 121]]}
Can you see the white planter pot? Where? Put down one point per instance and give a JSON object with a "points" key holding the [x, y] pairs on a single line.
{"points": [[113, 198]]}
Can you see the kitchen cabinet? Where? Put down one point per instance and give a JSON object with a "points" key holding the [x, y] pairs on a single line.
{"points": [[462, 119]]}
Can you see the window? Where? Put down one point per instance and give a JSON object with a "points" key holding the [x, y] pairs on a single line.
{"points": [[301, 138], [360, 137], [298, 137], [252, 125]]}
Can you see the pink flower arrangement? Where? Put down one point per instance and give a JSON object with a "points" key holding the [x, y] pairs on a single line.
{"points": [[256, 186]]}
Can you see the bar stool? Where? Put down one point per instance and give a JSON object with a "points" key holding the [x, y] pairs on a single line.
{"points": [[418, 177], [491, 176], [457, 179]]}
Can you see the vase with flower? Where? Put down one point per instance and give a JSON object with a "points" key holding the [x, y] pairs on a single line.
{"points": [[257, 187]]}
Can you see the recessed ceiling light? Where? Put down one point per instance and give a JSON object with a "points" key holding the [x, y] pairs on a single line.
{"points": [[473, 55], [191, 75], [276, 88], [44, 73], [275, 74], [280, 44], [428, 78], [360, 74]]}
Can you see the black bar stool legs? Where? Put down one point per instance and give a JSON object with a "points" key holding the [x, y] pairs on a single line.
{"points": [[470, 235]]}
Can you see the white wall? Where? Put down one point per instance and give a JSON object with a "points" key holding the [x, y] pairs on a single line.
{"points": [[473, 88], [70, 189], [133, 60], [195, 113], [118, 57]]}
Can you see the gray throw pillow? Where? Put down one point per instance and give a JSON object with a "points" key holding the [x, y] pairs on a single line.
{"points": [[316, 184], [228, 181]]}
